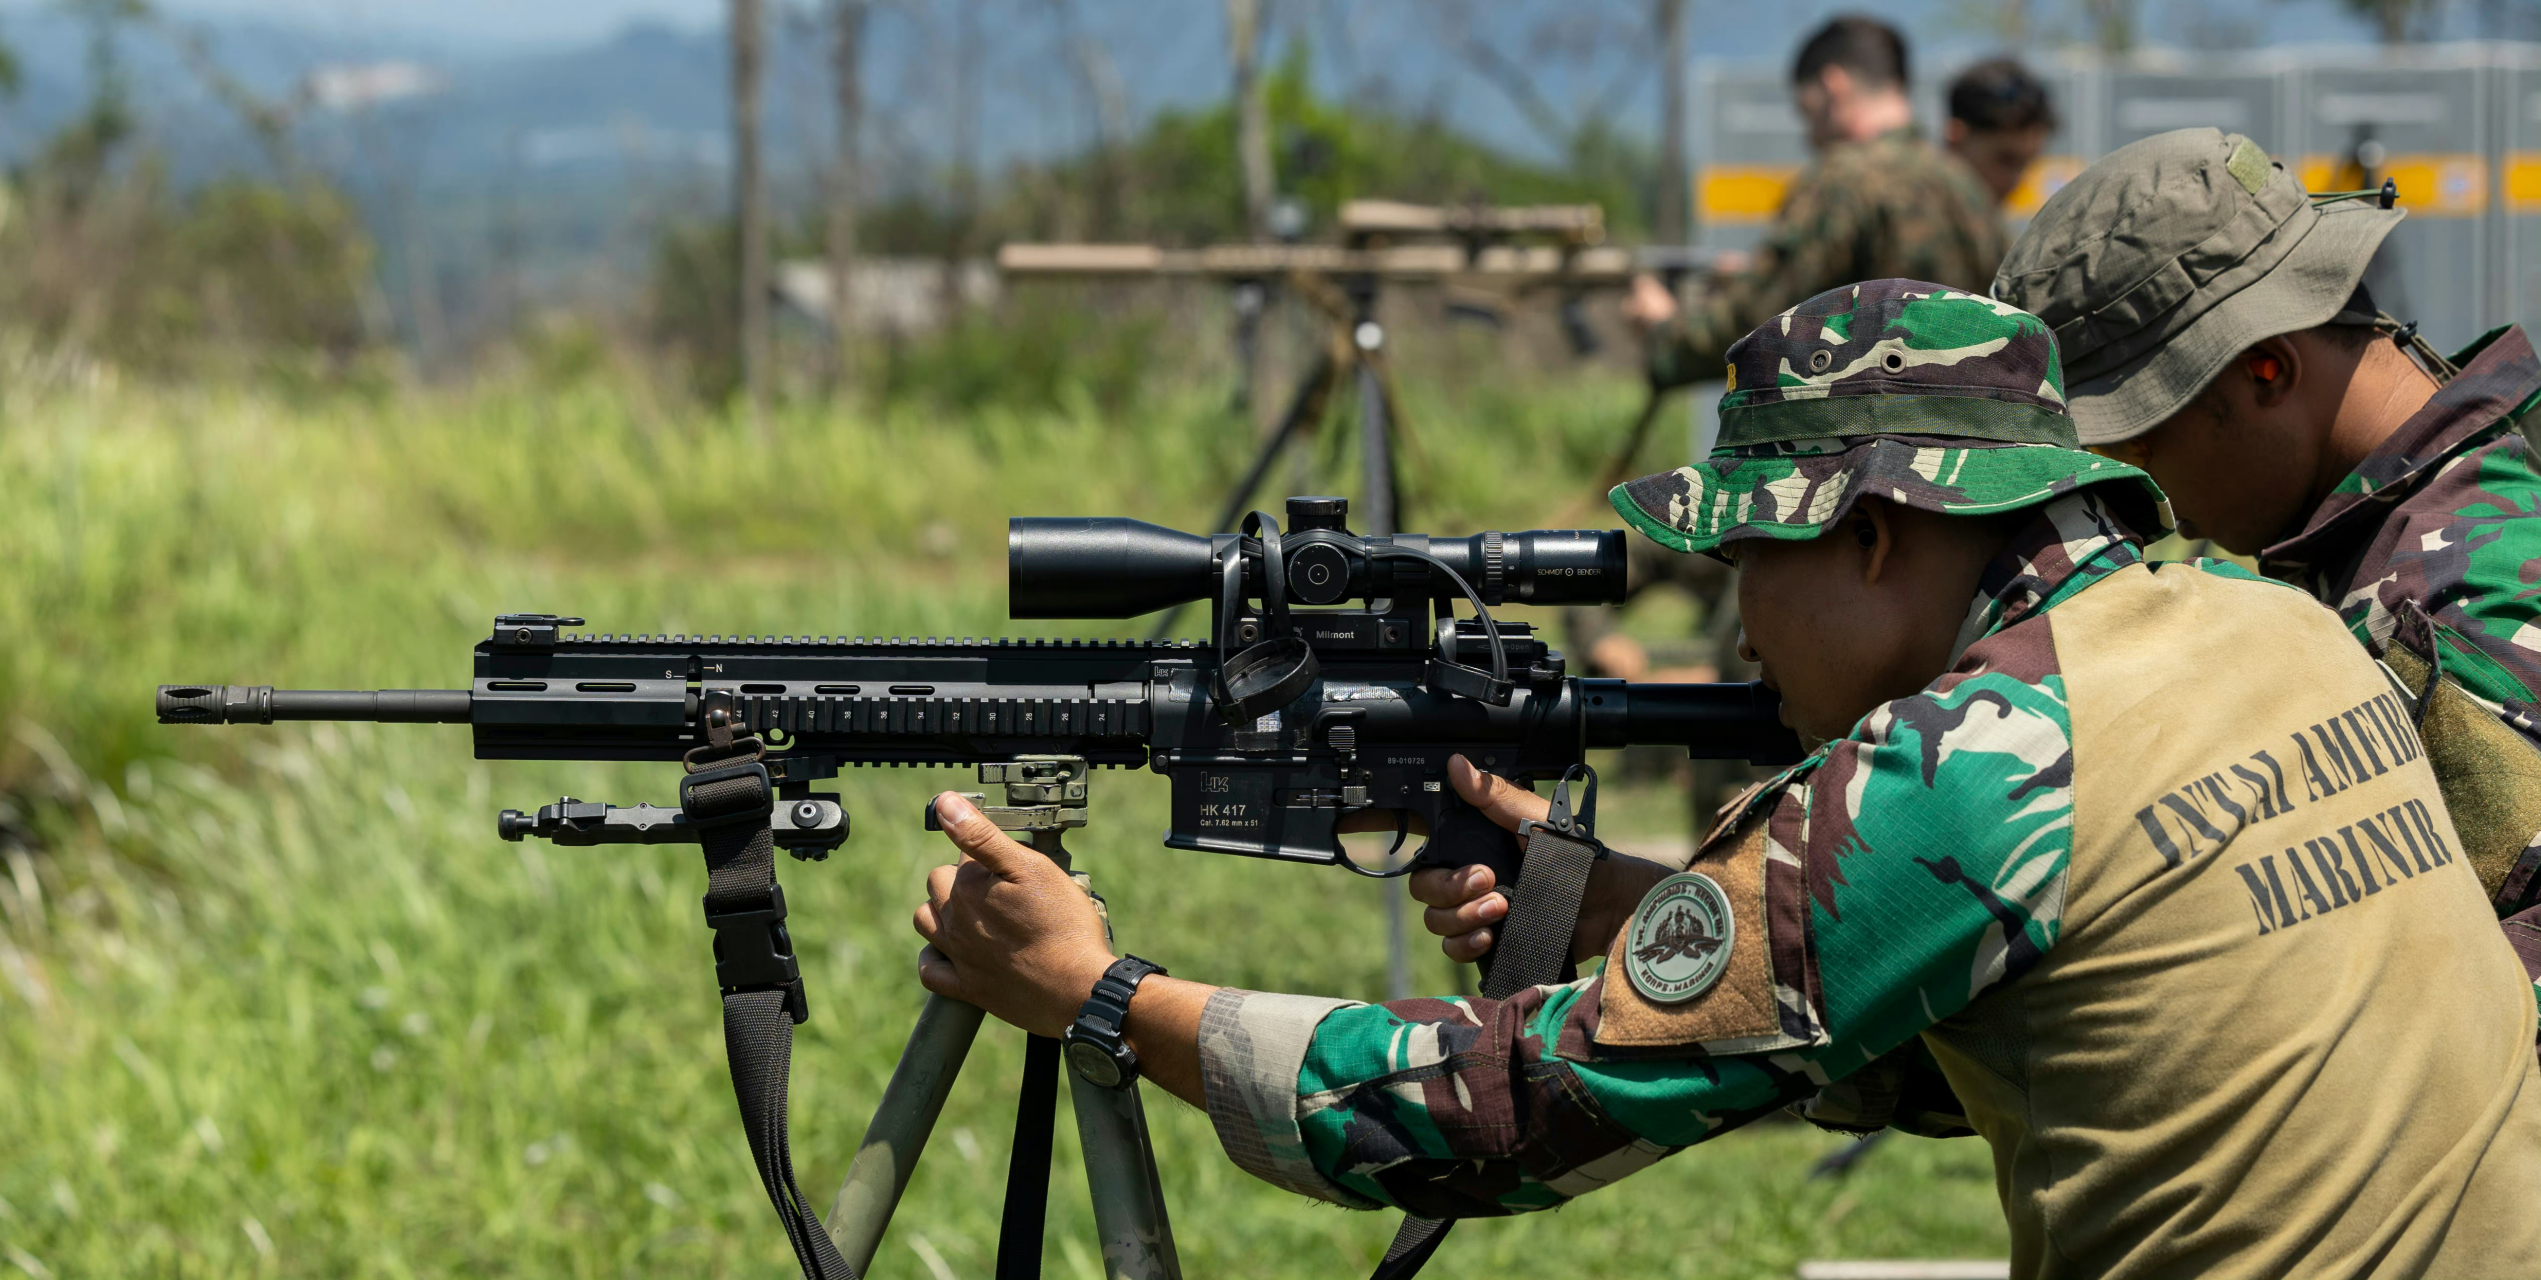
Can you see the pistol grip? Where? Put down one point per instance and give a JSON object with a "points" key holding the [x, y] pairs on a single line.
{"points": [[1463, 837]]}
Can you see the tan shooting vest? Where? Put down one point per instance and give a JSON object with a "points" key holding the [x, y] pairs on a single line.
{"points": [[2266, 1043]]}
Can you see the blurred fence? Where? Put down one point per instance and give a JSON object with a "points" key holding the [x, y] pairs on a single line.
{"points": [[2456, 127]]}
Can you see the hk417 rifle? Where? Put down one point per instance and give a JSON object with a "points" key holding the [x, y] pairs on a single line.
{"points": [[1301, 711]]}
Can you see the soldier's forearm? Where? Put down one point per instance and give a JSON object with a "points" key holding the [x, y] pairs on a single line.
{"points": [[1164, 1030], [1676, 356]]}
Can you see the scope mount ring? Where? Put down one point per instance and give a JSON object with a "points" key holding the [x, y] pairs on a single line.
{"points": [[1274, 670]]}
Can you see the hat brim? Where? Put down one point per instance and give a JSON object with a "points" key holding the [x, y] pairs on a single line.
{"points": [[1791, 495], [2306, 289]]}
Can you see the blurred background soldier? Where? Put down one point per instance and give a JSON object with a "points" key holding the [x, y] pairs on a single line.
{"points": [[1879, 201], [2001, 119]]}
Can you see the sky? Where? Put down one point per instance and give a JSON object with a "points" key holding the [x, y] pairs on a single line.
{"points": [[1036, 101], [509, 22], [520, 24]]}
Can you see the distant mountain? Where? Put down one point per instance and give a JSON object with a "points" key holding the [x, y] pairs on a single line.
{"points": [[651, 96], [560, 160]]}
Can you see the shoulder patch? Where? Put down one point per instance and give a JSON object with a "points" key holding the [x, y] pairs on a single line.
{"points": [[1715, 959], [1680, 939]]}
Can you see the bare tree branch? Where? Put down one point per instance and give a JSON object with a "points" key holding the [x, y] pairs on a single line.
{"points": [[846, 178], [1674, 185], [1252, 113], [1502, 72], [749, 199]]}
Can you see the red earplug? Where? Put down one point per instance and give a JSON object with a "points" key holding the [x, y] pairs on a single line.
{"points": [[2266, 368]]}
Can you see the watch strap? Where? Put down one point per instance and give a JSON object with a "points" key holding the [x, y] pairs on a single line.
{"points": [[1109, 1003]]}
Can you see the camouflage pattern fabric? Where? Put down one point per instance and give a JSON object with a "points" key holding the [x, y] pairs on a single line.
{"points": [[2444, 520], [1897, 357], [1903, 1089], [1475, 1107], [1891, 207], [1794, 494], [1920, 394], [2446, 514]]}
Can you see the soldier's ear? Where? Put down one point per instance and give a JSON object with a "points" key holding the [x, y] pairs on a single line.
{"points": [[1874, 528], [2132, 451], [2274, 366]]}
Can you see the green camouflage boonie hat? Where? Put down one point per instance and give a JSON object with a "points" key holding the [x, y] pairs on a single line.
{"points": [[1913, 392], [2172, 255]]}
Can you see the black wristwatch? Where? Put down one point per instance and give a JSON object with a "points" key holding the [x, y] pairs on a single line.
{"points": [[1095, 1047]]}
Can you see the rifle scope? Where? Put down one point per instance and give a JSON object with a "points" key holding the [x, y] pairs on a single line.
{"points": [[1109, 567]]}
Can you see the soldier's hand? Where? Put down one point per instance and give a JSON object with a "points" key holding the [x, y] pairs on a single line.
{"points": [[1464, 902], [1619, 657], [1650, 304], [1006, 929]]}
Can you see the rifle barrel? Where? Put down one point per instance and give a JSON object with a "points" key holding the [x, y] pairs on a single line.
{"points": [[264, 704], [1712, 721], [1596, 266]]}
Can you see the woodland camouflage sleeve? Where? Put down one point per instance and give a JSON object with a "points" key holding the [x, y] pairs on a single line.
{"points": [[2472, 568], [1929, 856], [1812, 246]]}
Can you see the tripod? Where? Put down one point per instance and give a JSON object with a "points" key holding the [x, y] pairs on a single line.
{"points": [[1045, 795], [1356, 348]]}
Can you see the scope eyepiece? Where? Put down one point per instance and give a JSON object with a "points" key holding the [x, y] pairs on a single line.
{"points": [[1121, 568]]}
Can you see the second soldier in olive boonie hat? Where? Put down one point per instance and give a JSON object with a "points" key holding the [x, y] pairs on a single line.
{"points": [[2174, 254], [1903, 390]]}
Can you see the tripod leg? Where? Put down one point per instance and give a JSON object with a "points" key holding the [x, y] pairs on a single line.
{"points": [[1619, 468], [1028, 1168], [893, 1142], [1120, 1171], [1375, 512], [1304, 408], [1251, 297], [1375, 515], [1837, 1163]]}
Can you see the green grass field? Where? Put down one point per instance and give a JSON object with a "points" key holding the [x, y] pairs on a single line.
{"points": [[278, 1002]]}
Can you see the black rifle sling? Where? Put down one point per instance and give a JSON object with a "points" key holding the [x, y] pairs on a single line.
{"points": [[729, 797], [1533, 949]]}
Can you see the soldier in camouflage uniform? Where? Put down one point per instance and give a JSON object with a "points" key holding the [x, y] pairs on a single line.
{"points": [[1879, 202], [2215, 328], [2247, 1045]]}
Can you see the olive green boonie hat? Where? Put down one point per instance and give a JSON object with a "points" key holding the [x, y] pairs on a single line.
{"points": [[2169, 257], [1916, 393]]}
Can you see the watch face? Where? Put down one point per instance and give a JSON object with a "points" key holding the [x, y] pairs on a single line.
{"points": [[1091, 1061]]}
